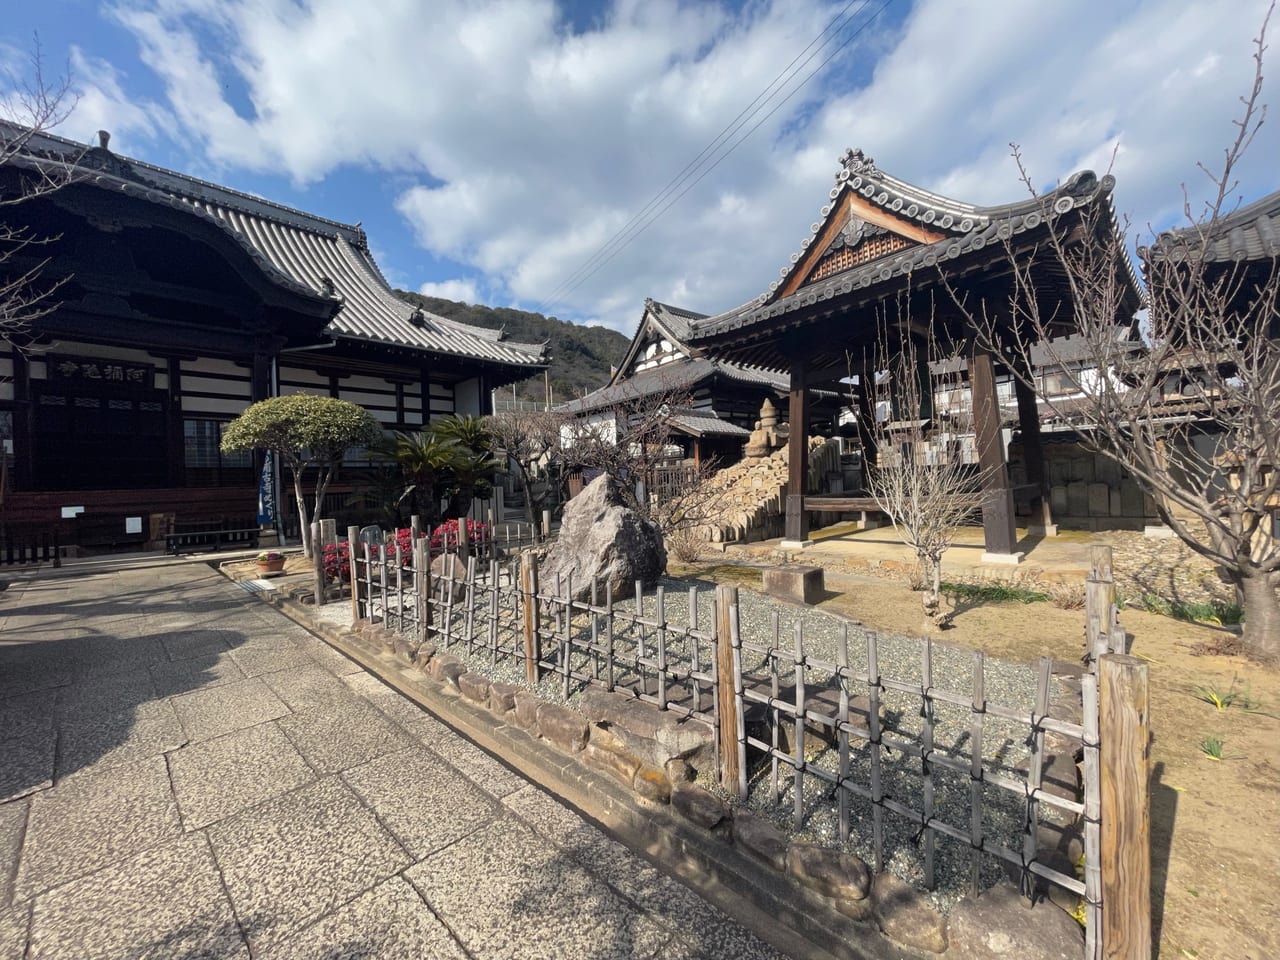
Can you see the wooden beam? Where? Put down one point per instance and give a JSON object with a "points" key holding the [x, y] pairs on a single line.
{"points": [[726, 693], [998, 529], [797, 453], [1033, 454]]}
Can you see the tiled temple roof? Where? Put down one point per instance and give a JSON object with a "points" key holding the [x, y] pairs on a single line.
{"points": [[300, 252]]}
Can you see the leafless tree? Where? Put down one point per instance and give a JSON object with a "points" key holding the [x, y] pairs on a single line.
{"points": [[920, 422], [633, 441], [29, 105], [1194, 417], [529, 439]]}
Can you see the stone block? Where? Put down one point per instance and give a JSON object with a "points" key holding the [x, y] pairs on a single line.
{"points": [[832, 873], [436, 668], [526, 709], [1099, 500], [1130, 499], [1058, 499], [474, 687], [998, 926], [562, 727], [425, 653], [502, 697], [1077, 499], [794, 582], [761, 839], [617, 763], [906, 917], [679, 771], [698, 806], [652, 784]]}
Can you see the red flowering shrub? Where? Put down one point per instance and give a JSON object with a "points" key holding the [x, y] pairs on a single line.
{"points": [[337, 556]]}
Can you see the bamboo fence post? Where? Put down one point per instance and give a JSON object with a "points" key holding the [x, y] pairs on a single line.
{"points": [[726, 698], [529, 597], [421, 594], [1092, 817], [353, 538], [1124, 728], [842, 734], [464, 540], [976, 718], [926, 768], [415, 527], [797, 785], [317, 564]]}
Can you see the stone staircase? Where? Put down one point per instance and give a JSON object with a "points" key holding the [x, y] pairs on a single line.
{"points": [[750, 497]]}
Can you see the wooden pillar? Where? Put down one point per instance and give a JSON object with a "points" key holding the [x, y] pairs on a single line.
{"points": [[175, 439], [1033, 456], [726, 688], [999, 533], [866, 403], [1124, 730], [23, 424], [797, 524]]}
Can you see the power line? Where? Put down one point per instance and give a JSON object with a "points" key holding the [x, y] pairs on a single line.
{"points": [[661, 202]]}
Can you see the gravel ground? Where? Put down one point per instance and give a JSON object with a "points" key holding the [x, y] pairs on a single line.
{"points": [[764, 624]]}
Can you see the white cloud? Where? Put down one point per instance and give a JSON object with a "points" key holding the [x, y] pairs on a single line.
{"points": [[525, 146], [455, 289]]}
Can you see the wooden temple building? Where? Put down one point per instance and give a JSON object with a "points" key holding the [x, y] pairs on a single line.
{"points": [[718, 401], [885, 250], [173, 304]]}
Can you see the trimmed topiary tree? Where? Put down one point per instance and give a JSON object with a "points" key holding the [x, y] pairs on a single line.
{"points": [[306, 431]]}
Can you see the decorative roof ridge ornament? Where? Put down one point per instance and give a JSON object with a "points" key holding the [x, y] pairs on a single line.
{"points": [[858, 164]]}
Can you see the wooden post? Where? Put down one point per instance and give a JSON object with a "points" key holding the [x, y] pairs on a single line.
{"points": [[1126, 814], [415, 527], [1100, 605], [1033, 458], [797, 526], [726, 696], [317, 563], [353, 544], [422, 586], [529, 598], [998, 530]]}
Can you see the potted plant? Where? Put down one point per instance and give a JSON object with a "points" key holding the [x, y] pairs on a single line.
{"points": [[270, 561]]}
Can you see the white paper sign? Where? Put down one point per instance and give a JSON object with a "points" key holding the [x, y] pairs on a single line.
{"points": [[132, 524], [70, 513]]}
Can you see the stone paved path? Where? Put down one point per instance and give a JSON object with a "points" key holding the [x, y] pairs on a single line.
{"points": [[186, 774]]}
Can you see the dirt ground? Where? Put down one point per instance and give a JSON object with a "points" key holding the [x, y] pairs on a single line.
{"points": [[1215, 824]]}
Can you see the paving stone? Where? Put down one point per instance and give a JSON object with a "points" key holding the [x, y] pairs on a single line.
{"points": [[13, 931], [232, 706], [484, 771], [291, 860], [197, 644], [259, 656], [145, 731], [387, 699], [106, 695], [535, 901], [999, 926], [175, 677], [218, 778], [26, 714], [19, 676], [906, 916], [26, 764], [330, 659], [389, 921], [13, 823], [308, 687], [343, 735], [95, 818], [411, 791], [165, 902]]}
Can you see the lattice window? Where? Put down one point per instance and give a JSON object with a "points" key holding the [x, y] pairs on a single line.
{"points": [[870, 249]]}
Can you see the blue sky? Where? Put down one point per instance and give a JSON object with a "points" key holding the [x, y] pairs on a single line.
{"points": [[491, 147]]}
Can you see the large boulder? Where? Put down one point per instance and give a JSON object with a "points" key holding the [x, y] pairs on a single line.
{"points": [[600, 537]]}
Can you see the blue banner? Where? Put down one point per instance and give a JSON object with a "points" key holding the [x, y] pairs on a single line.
{"points": [[267, 492]]}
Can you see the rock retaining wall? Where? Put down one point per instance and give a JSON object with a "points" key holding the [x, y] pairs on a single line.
{"points": [[658, 756]]}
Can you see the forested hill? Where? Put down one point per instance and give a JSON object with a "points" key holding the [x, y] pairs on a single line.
{"points": [[580, 356]]}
